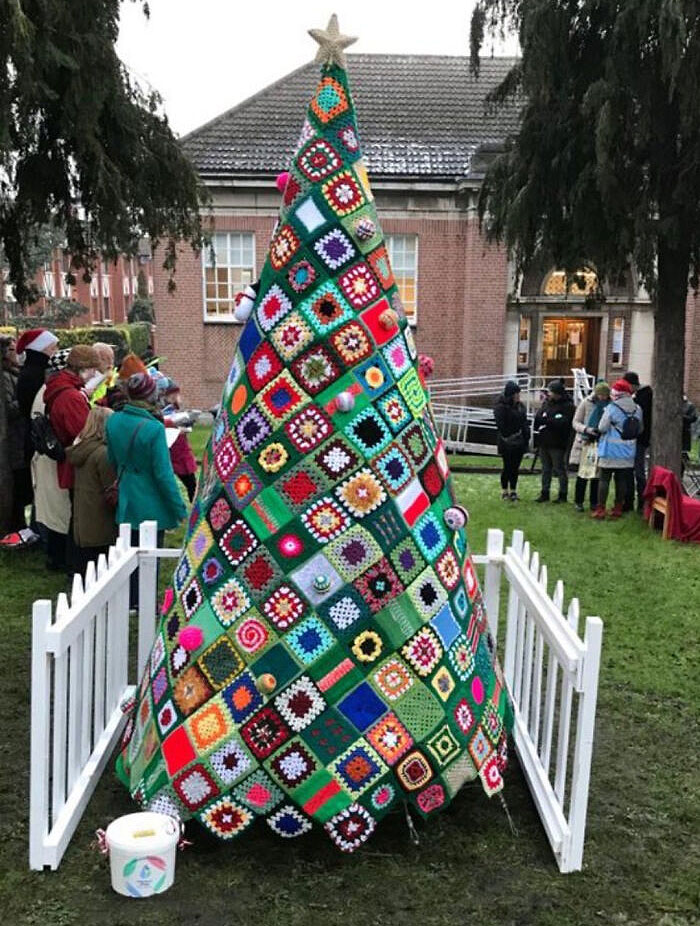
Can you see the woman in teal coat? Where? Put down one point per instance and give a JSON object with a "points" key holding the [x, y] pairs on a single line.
{"points": [[138, 451]]}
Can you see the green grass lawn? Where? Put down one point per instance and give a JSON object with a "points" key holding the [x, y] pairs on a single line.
{"points": [[642, 853]]}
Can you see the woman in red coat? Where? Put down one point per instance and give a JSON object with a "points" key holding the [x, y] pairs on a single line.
{"points": [[67, 404]]}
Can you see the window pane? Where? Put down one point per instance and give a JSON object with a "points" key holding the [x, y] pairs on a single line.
{"points": [[234, 269]]}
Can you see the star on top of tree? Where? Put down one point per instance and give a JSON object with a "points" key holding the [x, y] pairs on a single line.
{"points": [[331, 43]]}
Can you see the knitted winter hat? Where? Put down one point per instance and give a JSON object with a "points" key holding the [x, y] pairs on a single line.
{"points": [[141, 386], [602, 388], [83, 357], [35, 339], [511, 388], [632, 378], [131, 364], [622, 387], [171, 387], [557, 387], [59, 361]]}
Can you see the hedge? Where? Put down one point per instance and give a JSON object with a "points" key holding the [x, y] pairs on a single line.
{"points": [[124, 338], [134, 337]]}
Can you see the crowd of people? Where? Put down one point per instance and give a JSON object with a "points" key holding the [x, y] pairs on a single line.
{"points": [[603, 441], [91, 446]]}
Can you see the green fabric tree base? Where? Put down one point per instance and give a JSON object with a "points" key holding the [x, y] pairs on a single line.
{"points": [[342, 663]]}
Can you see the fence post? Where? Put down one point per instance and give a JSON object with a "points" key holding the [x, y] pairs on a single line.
{"points": [[39, 768], [572, 857], [512, 615], [492, 578], [148, 566]]}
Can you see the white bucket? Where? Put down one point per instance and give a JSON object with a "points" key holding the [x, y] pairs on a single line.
{"points": [[142, 853]]}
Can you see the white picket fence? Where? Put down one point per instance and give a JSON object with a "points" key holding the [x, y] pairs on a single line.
{"points": [[80, 676], [547, 666], [81, 671]]}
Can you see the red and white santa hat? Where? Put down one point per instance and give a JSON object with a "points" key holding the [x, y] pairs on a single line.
{"points": [[37, 339]]}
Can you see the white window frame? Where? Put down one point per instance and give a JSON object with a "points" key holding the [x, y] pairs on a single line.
{"points": [[618, 340], [524, 324], [234, 243], [396, 247], [49, 283]]}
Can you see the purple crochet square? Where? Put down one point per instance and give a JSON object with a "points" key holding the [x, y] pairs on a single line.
{"points": [[334, 249], [252, 429]]}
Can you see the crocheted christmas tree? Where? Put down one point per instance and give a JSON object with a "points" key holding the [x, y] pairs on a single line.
{"points": [[323, 654]]}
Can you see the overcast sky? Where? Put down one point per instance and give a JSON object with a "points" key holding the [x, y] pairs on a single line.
{"points": [[205, 56]]}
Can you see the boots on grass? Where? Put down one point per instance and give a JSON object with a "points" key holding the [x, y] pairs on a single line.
{"points": [[542, 497], [598, 513], [617, 512]]}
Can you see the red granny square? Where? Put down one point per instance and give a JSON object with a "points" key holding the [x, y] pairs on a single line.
{"points": [[371, 319], [178, 751], [299, 487]]}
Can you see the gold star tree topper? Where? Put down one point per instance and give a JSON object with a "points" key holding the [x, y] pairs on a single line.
{"points": [[331, 43]]}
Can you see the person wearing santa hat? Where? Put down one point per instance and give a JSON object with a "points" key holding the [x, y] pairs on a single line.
{"points": [[35, 347], [621, 424]]}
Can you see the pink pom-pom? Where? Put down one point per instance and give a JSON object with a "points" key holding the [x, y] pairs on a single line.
{"points": [[282, 180], [168, 599], [191, 638]]}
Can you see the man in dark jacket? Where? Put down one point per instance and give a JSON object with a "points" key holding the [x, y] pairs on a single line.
{"points": [[552, 428], [643, 396]]}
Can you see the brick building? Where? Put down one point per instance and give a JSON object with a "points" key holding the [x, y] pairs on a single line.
{"points": [[427, 136], [108, 296]]}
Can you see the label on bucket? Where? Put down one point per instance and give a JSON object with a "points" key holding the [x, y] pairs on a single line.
{"points": [[144, 876]]}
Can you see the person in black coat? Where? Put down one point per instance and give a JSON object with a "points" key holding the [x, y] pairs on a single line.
{"points": [[552, 433], [644, 397], [37, 346], [513, 437]]}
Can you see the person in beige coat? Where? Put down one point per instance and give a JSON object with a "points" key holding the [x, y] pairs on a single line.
{"points": [[586, 418], [94, 525]]}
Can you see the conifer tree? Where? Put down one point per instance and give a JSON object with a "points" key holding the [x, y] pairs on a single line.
{"points": [[81, 146], [606, 165]]}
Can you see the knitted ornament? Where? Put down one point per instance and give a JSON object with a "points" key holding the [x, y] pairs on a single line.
{"points": [[346, 666], [389, 319], [191, 638], [345, 401], [456, 517], [266, 684], [168, 599], [244, 302], [282, 180], [365, 229], [426, 365]]}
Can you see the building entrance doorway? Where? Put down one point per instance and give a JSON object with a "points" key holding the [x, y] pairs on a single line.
{"points": [[569, 342]]}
